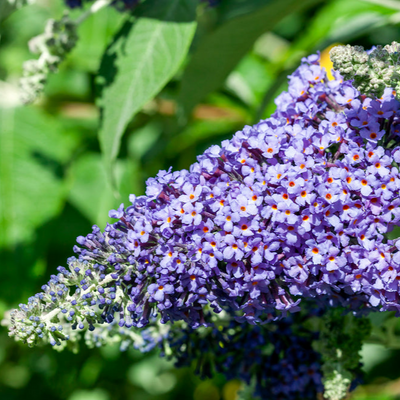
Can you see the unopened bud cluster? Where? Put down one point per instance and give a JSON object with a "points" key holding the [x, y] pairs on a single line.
{"points": [[372, 71], [55, 316], [53, 45]]}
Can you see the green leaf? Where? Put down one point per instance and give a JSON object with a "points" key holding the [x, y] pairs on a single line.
{"points": [[6, 9], [142, 59], [32, 148], [94, 36], [229, 9], [249, 80], [90, 191], [201, 131], [340, 20], [220, 51], [95, 394]]}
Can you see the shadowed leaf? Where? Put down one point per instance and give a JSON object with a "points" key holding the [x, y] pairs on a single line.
{"points": [[220, 51]]}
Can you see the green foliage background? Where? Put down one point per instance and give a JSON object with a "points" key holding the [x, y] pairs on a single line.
{"points": [[100, 131]]}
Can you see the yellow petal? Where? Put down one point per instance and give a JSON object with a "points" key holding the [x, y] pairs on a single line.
{"points": [[326, 61]]}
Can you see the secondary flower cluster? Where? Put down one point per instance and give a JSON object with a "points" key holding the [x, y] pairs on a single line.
{"points": [[294, 207], [280, 369]]}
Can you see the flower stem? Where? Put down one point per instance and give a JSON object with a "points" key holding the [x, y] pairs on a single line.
{"points": [[96, 6]]}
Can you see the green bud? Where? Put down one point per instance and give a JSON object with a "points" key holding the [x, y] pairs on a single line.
{"points": [[371, 72]]}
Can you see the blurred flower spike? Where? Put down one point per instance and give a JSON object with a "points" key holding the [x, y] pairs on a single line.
{"points": [[58, 40]]}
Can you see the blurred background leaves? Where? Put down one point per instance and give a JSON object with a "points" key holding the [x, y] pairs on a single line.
{"points": [[54, 184]]}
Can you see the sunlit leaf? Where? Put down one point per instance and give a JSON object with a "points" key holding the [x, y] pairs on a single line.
{"points": [[249, 80], [143, 58]]}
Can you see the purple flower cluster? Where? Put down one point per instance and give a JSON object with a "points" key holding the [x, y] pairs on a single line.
{"points": [[278, 359], [294, 207]]}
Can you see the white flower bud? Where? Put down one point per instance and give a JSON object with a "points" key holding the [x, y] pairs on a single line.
{"points": [[373, 71], [53, 46]]}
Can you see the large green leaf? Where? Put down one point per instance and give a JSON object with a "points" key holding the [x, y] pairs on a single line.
{"points": [[220, 51], [142, 59], [33, 146]]}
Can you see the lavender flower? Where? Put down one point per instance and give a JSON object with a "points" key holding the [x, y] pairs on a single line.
{"points": [[294, 207], [292, 211]]}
